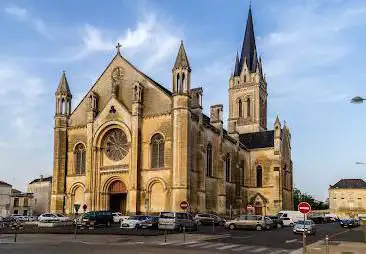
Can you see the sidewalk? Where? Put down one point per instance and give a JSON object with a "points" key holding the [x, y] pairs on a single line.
{"points": [[337, 248]]}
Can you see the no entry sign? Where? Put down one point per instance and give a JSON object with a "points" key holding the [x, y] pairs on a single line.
{"points": [[249, 207], [184, 205], [304, 208]]}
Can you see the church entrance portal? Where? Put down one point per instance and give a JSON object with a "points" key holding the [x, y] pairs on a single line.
{"points": [[117, 197]]}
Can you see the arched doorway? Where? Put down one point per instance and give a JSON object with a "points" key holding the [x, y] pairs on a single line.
{"points": [[157, 197], [117, 197], [258, 208]]}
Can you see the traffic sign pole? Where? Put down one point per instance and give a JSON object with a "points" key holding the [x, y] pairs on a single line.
{"points": [[304, 208]]}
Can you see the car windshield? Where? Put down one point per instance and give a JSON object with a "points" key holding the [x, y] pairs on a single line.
{"points": [[301, 222], [167, 215], [59, 215]]}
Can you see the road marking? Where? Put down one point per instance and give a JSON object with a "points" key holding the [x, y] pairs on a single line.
{"points": [[279, 252], [261, 249], [291, 241], [243, 248], [197, 245], [167, 243], [242, 237], [228, 247], [213, 245], [185, 243]]}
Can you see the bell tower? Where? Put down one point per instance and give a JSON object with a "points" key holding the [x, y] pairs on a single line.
{"points": [[247, 88], [62, 113]]}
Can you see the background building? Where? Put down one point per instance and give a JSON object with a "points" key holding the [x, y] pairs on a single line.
{"points": [[132, 145], [21, 203], [5, 193], [41, 189], [347, 197]]}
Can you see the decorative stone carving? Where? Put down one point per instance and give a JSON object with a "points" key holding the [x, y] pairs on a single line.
{"points": [[117, 74], [116, 144]]}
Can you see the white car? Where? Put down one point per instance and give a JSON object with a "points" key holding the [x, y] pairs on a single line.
{"points": [[118, 217], [134, 221], [53, 217]]}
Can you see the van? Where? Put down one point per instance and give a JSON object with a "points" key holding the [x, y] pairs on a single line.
{"points": [[249, 221], [98, 217], [289, 218], [176, 221]]}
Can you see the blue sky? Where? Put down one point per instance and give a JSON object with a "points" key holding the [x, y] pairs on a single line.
{"points": [[313, 54]]}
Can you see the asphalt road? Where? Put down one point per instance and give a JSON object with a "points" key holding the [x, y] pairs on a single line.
{"points": [[279, 241]]}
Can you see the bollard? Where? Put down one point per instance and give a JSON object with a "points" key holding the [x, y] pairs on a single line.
{"points": [[91, 225], [326, 244], [165, 234], [213, 226], [184, 234]]}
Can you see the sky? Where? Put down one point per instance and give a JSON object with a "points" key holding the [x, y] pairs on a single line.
{"points": [[312, 50]]}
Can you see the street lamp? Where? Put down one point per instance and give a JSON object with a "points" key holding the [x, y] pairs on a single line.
{"points": [[357, 100]]}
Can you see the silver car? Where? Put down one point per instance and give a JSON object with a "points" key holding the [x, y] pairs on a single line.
{"points": [[307, 225], [256, 222]]}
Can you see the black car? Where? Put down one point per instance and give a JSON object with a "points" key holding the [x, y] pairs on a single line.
{"points": [[98, 217], [150, 222], [208, 219], [8, 221], [277, 222], [349, 223], [317, 219]]}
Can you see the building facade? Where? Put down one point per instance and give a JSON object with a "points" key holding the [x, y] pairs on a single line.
{"points": [[41, 190], [133, 146], [21, 203], [5, 193], [347, 198]]}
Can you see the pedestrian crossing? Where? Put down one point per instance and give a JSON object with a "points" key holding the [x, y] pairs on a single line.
{"points": [[219, 247]]}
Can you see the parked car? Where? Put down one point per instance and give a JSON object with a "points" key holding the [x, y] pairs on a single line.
{"points": [[8, 221], [307, 225], [349, 223], [151, 222], [48, 217], [135, 221], [176, 221], [256, 222], [20, 217], [118, 217], [277, 222], [98, 217], [208, 219], [317, 219]]}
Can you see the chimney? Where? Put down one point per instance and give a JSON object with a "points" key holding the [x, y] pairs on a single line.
{"points": [[41, 178]]}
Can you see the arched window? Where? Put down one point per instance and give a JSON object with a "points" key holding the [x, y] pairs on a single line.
{"points": [[79, 159], [240, 108], [209, 160], [177, 84], [259, 177], [248, 107], [228, 168], [157, 151], [182, 83]]}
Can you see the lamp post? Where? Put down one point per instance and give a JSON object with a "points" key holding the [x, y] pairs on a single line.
{"points": [[357, 100]]}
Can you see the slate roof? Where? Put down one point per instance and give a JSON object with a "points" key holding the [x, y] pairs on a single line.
{"points": [[349, 184], [256, 140], [44, 179], [4, 184]]}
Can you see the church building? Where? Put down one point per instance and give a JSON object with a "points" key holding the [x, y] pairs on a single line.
{"points": [[135, 146]]}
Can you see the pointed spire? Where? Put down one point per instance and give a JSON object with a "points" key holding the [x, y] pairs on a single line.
{"points": [[277, 122], [182, 59], [63, 86], [237, 67], [249, 49]]}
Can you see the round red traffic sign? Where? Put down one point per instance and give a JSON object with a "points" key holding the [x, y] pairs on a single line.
{"points": [[304, 208], [184, 205], [249, 207]]}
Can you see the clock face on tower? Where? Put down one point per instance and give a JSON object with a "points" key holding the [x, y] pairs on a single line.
{"points": [[116, 144]]}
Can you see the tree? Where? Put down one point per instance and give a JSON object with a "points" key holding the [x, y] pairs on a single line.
{"points": [[305, 197]]}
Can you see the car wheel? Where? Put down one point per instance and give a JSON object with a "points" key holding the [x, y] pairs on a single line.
{"points": [[291, 224], [258, 228], [199, 223], [180, 228], [221, 223], [279, 225], [232, 226]]}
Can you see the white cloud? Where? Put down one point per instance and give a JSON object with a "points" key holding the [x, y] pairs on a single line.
{"points": [[23, 15]]}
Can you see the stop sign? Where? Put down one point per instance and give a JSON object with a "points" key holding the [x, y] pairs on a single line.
{"points": [[304, 208], [184, 205]]}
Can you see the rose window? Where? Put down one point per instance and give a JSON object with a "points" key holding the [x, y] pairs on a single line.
{"points": [[116, 144]]}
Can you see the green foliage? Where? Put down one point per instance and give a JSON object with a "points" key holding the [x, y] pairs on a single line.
{"points": [[305, 197]]}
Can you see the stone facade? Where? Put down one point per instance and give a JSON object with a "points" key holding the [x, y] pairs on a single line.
{"points": [[133, 146], [41, 189], [5, 193], [347, 198], [21, 203]]}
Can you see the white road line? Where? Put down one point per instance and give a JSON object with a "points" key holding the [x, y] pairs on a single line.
{"points": [[279, 251], [185, 243], [243, 248], [228, 247], [291, 241], [261, 249], [212, 245], [198, 245], [167, 243]]}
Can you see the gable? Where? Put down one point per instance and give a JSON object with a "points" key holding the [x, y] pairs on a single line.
{"points": [[152, 92]]}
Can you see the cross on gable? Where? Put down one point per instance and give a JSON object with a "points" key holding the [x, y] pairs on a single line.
{"points": [[118, 46]]}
